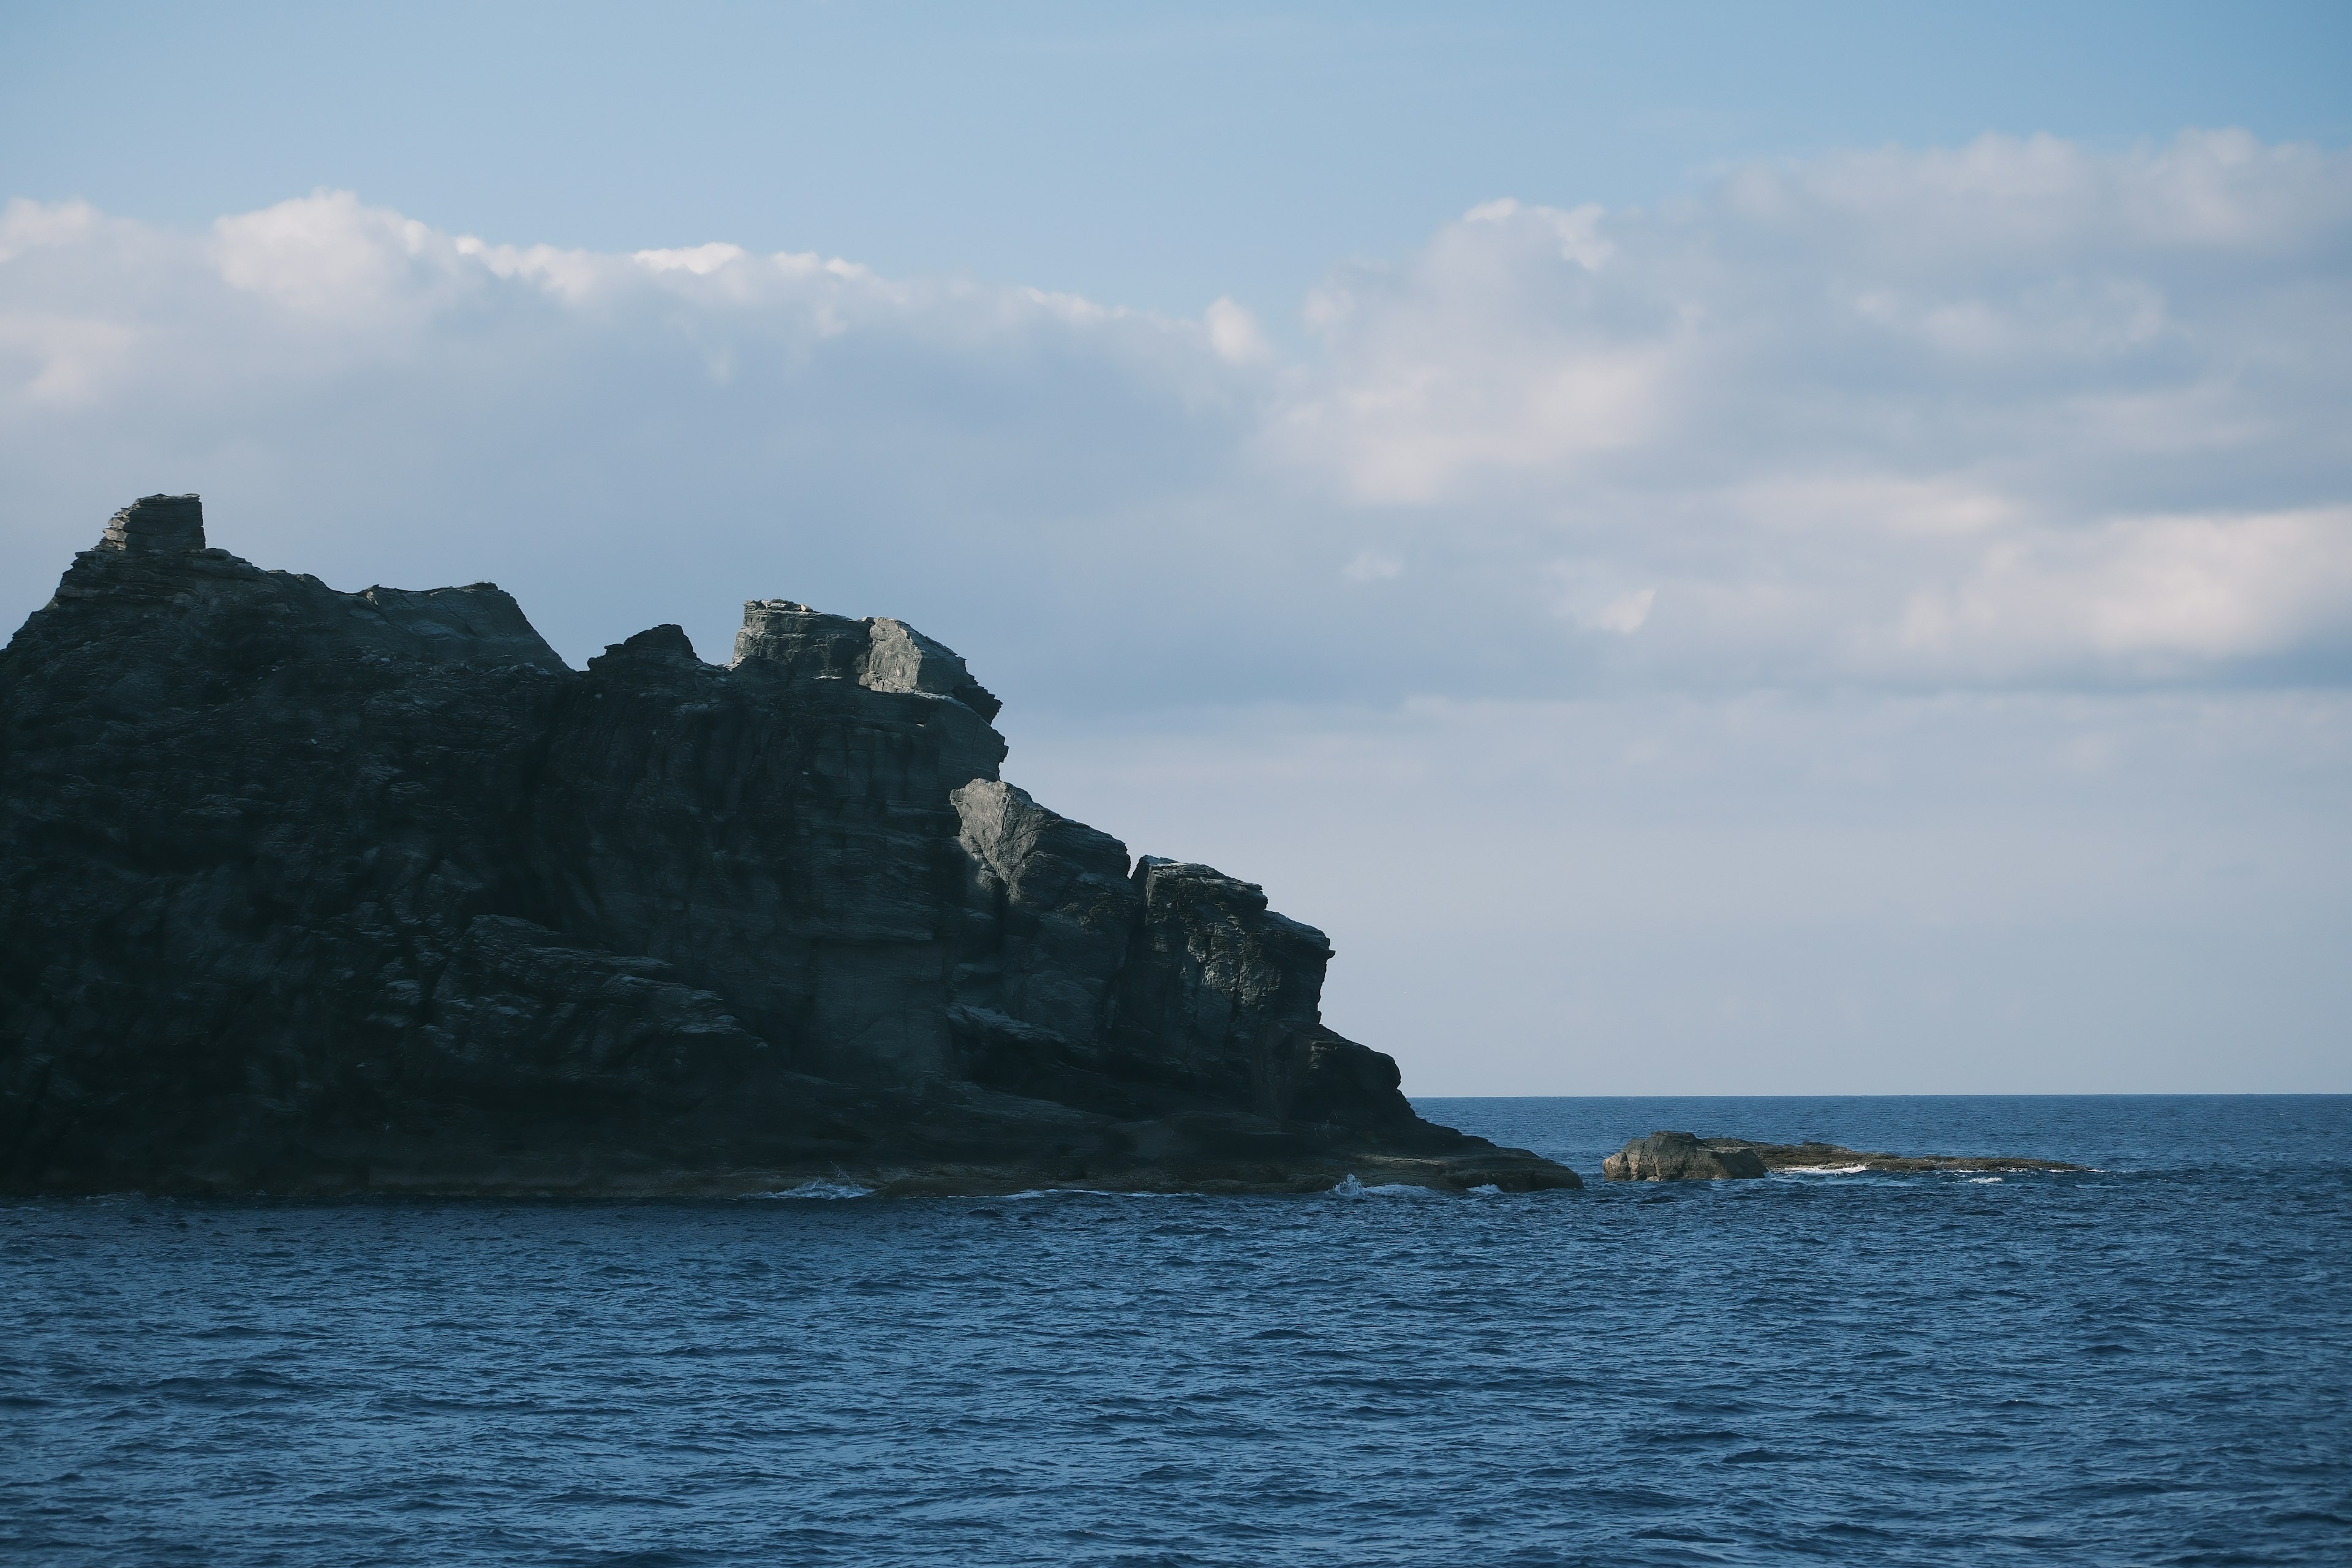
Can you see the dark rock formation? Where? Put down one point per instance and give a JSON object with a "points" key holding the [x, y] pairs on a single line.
{"points": [[308, 891], [1819, 1156], [1677, 1157], [1686, 1157]]}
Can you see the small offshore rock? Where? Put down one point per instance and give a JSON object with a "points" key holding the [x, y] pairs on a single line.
{"points": [[1816, 1155], [1686, 1157], [1678, 1157]]}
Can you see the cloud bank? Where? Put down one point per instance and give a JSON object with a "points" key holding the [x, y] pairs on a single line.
{"points": [[2021, 413]]}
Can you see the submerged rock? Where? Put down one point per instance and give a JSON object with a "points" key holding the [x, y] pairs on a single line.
{"points": [[310, 892], [1677, 1157]]}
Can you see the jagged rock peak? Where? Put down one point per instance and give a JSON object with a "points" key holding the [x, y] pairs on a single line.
{"points": [[787, 638], [158, 525], [667, 642]]}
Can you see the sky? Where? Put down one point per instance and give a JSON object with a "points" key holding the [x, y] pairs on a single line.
{"points": [[1742, 548]]}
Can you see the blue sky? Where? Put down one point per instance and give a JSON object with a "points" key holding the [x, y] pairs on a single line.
{"points": [[1714, 548], [1156, 156]]}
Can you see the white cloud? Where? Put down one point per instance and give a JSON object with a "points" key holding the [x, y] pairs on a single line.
{"points": [[1624, 614], [1593, 598], [2168, 588], [64, 360], [702, 260], [622, 439], [2019, 410], [329, 257], [1234, 333], [25, 224], [1479, 355]]}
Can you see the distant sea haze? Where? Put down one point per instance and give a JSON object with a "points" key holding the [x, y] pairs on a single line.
{"points": [[2143, 1363]]}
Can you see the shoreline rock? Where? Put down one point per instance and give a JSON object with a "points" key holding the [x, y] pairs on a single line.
{"points": [[1816, 1155], [1666, 1157], [1686, 1157], [305, 891]]}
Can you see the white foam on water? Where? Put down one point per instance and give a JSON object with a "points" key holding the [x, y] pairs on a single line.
{"points": [[820, 1189], [1028, 1193], [1820, 1170], [1979, 1181], [1352, 1188], [1489, 1191]]}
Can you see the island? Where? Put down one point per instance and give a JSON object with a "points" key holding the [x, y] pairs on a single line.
{"points": [[313, 892]]}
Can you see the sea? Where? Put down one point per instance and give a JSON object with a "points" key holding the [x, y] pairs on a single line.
{"points": [[2146, 1362]]}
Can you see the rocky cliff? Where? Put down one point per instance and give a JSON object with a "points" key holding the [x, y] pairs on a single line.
{"points": [[310, 892]]}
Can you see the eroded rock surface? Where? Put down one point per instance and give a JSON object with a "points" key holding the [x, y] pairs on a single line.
{"points": [[313, 891]]}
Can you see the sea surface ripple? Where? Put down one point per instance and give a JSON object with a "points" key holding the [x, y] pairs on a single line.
{"points": [[2148, 1363]]}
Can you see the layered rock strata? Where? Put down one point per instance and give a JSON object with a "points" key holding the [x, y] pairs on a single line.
{"points": [[311, 892]]}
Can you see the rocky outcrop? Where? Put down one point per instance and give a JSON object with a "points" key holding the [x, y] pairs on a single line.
{"points": [[1686, 1157], [311, 892], [1819, 1156], [1677, 1157]]}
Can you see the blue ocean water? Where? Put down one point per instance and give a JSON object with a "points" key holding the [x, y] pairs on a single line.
{"points": [[2149, 1364]]}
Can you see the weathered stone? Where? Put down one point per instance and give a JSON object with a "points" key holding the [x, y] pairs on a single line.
{"points": [[157, 524], [1677, 1157], [304, 891], [879, 653]]}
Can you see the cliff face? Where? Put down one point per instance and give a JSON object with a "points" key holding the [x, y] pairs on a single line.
{"points": [[304, 891]]}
